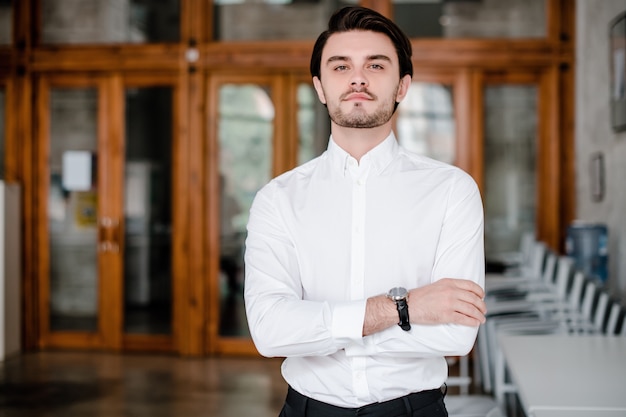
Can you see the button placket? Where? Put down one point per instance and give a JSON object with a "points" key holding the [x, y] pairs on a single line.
{"points": [[359, 176]]}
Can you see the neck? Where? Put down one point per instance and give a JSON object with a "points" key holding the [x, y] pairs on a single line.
{"points": [[358, 142]]}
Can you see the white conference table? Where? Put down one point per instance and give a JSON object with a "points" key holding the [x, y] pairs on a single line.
{"points": [[578, 413], [568, 375]]}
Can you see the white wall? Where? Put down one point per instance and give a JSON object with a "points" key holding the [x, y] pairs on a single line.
{"points": [[594, 133]]}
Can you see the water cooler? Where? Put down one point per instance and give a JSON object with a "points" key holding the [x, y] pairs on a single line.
{"points": [[587, 244]]}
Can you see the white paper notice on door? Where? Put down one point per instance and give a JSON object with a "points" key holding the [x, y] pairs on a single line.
{"points": [[77, 170]]}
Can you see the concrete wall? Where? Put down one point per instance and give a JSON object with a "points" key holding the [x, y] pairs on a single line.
{"points": [[594, 133]]}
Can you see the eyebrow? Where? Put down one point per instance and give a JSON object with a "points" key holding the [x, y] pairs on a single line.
{"points": [[369, 58]]}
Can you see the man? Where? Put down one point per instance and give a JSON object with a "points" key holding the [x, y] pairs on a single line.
{"points": [[333, 244]]}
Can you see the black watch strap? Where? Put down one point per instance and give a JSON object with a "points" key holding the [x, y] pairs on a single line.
{"points": [[403, 312]]}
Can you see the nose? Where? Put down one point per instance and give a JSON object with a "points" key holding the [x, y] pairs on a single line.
{"points": [[358, 79]]}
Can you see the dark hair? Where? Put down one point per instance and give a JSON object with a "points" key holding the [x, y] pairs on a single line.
{"points": [[360, 18]]}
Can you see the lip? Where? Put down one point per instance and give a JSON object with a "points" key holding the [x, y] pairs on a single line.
{"points": [[357, 97]]}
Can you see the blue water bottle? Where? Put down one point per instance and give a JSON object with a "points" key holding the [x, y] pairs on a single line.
{"points": [[587, 244]]}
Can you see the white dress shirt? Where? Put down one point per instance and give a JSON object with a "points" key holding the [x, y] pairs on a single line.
{"points": [[327, 235]]}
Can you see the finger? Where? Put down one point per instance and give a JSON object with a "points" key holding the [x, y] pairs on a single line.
{"points": [[474, 288], [466, 320], [471, 311], [468, 285], [473, 299]]}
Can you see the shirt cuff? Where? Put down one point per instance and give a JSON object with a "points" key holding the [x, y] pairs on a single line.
{"points": [[347, 322]]}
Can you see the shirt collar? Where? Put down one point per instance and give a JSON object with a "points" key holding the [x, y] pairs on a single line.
{"points": [[378, 158]]}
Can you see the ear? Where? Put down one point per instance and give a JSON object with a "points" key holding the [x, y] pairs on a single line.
{"points": [[320, 91], [403, 88]]}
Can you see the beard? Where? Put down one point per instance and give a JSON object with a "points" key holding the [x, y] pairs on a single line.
{"points": [[358, 118]]}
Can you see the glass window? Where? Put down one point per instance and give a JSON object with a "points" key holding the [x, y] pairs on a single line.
{"points": [[313, 124], [271, 19], [110, 21], [510, 168], [6, 22], [72, 209], [2, 129], [147, 211], [425, 121], [471, 18], [246, 129]]}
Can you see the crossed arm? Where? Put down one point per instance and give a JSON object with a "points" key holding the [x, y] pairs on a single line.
{"points": [[292, 311], [447, 301]]}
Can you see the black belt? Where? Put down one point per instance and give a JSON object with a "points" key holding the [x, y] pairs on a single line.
{"points": [[406, 404]]}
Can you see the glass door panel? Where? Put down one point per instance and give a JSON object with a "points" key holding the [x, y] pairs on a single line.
{"points": [[148, 211], [109, 21], [106, 270], [245, 136], [6, 22], [510, 155], [281, 20], [3, 108], [513, 19], [425, 121], [313, 123], [72, 210]]}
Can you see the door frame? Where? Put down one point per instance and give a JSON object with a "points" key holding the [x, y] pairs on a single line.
{"points": [[178, 200], [108, 285], [282, 89], [110, 335]]}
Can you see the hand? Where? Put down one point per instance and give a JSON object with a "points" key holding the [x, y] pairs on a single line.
{"points": [[448, 301]]}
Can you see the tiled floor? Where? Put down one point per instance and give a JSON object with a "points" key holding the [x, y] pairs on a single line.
{"points": [[71, 384]]}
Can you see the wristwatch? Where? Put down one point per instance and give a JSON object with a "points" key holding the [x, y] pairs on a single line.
{"points": [[400, 296]]}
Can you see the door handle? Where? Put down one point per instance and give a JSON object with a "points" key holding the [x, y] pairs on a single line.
{"points": [[108, 235]]}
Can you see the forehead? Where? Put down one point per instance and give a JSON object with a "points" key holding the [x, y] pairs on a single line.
{"points": [[359, 44]]}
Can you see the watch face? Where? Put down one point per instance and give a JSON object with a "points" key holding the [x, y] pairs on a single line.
{"points": [[397, 293]]}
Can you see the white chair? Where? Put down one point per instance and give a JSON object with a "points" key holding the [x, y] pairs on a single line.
{"points": [[516, 263], [601, 313], [542, 279], [617, 320], [614, 313], [536, 305], [465, 404], [530, 270], [594, 312], [546, 301], [574, 315], [590, 318]]}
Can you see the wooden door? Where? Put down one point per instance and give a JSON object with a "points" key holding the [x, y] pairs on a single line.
{"points": [[500, 127], [107, 234], [521, 168], [259, 126]]}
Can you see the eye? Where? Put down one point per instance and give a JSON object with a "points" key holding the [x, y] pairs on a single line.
{"points": [[341, 68], [377, 66]]}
